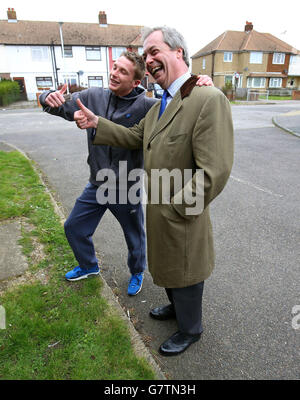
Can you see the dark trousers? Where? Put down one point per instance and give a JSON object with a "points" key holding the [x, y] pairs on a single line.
{"points": [[187, 302], [84, 219]]}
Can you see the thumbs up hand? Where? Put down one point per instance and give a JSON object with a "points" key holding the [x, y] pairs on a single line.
{"points": [[85, 118], [56, 99]]}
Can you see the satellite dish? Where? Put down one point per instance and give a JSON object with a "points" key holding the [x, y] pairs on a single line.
{"points": [[80, 72]]}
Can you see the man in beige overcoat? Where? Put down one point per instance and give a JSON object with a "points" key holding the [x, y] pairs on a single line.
{"points": [[195, 134]]}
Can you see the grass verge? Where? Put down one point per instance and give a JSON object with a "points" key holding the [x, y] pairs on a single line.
{"points": [[56, 330]]}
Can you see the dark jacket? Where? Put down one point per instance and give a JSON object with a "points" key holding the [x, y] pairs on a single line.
{"points": [[126, 111]]}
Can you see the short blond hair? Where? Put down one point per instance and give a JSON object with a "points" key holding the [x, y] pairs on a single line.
{"points": [[138, 62]]}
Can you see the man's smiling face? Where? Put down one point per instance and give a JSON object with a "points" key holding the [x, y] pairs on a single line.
{"points": [[161, 60], [122, 80]]}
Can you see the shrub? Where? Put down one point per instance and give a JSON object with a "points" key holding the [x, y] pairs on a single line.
{"points": [[227, 88], [73, 88], [9, 92]]}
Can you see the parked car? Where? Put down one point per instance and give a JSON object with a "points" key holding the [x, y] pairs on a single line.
{"points": [[158, 91]]}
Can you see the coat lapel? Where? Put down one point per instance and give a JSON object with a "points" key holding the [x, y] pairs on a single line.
{"points": [[172, 109]]}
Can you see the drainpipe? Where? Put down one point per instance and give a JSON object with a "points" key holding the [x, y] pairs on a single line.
{"points": [[62, 49], [54, 66], [107, 66], [213, 65]]}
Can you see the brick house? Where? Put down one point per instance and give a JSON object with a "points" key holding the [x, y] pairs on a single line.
{"points": [[247, 59], [31, 52]]}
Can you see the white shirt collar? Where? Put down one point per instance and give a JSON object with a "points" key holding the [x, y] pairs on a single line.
{"points": [[176, 85]]}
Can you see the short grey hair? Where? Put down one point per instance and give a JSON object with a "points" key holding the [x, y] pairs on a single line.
{"points": [[171, 37]]}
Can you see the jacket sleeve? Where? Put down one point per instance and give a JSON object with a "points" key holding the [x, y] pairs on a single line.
{"points": [[117, 135], [213, 147], [67, 110]]}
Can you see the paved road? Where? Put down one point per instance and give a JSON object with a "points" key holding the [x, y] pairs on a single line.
{"points": [[249, 298]]}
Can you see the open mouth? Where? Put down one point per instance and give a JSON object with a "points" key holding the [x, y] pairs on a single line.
{"points": [[154, 70], [114, 82]]}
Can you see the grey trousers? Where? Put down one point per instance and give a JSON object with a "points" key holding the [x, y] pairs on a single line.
{"points": [[187, 302]]}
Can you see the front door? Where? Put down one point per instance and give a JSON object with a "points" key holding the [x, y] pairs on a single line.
{"points": [[21, 82]]}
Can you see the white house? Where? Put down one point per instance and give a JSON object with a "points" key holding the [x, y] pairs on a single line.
{"points": [[41, 54], [294, 72]]}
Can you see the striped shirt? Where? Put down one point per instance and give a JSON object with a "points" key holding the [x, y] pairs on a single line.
{"points": [[176, 85]]}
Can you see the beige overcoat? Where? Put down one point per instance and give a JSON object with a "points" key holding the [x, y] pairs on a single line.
{"points": [[195, 133]]}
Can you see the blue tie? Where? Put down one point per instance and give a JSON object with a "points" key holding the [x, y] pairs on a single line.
{"points": [[163, 103]]}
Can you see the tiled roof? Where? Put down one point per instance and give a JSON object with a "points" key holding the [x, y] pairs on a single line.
{"points": [[80, 34], [246, 41]]}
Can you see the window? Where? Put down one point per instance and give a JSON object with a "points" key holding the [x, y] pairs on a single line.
{"points": [[278, 58], [117, 51], [39, 53], [256, 57], [203, 63], [93, 53], [44, 82], [228, 79], [294, 60], [275, 82], [256, 82], [70, 80], [227, 56], [68, 52], [95, 81]]}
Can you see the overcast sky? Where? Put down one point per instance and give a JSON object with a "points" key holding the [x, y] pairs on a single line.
{"points": [[199, 23]]}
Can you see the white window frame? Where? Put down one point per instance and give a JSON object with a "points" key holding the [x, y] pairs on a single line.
{"points": [[68, 51], [117, 51], [278, 58], [228, 56], [93, 53], [251, 83], [39, 53], [229, 79], [275, 83], [70, 79], [45, 82], [203, 63], [95, 79], [256, 57]]}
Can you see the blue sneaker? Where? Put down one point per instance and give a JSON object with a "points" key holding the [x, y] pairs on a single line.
{"points": [[135, 284], [81, 273]]}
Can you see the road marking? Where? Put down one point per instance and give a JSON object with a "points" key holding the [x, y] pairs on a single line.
{"points": [[255, 186]]}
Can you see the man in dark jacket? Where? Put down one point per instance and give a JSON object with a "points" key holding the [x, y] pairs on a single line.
{"points": [[124, 103]]}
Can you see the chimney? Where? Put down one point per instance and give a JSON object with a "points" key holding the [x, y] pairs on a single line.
{"points": [[248, 27], [11, 15], [102, 18]]}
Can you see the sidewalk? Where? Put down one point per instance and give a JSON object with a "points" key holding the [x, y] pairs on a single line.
{"points": [[289, 122], [19, 105]]}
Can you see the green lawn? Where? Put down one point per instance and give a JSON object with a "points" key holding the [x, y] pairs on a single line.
{"points": [[56, 330], [280, 97]]}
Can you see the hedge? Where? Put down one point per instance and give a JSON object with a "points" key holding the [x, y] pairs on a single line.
{"points": [[9, 92]]}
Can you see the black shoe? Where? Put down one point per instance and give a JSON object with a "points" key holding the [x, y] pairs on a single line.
{"points": [[163, 313], [178, 343]]}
